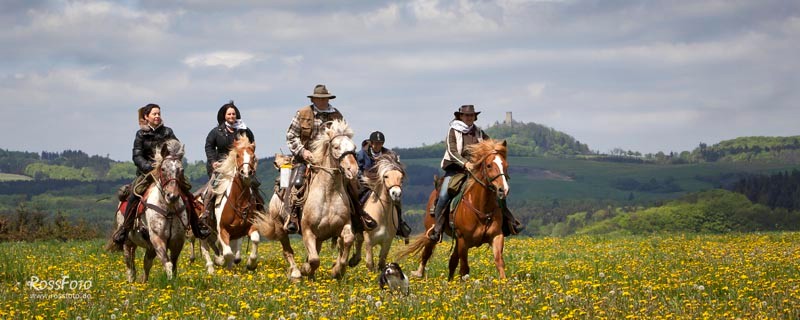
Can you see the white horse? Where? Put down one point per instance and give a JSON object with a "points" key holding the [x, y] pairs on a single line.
{"points": [[385, 179], [164, 218]]}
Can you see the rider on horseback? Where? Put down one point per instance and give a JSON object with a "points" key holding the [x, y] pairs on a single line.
{"points": [[152, 133], [462, 132], [305, 126], [218, 144], [366, 159]]}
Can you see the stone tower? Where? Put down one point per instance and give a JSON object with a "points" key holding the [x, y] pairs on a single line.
{"points": [[508, 120]]}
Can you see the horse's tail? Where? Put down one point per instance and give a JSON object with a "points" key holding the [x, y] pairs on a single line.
{"points": [[414, 248], [111, 246]]}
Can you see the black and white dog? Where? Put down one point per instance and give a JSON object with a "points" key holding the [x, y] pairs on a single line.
{"points": [[393, 277]]}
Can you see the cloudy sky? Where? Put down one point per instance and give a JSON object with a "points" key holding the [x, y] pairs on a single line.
{"points": [[641, 75]]}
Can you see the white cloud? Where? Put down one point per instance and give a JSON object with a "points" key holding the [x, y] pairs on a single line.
{"points": [[535, 90], [228, 59]]}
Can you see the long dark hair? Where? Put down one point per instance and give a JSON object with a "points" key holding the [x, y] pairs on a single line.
{"points": [[224, 109]]}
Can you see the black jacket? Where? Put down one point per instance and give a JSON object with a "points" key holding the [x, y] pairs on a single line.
{"points": [[144, 146], [219, 142]]}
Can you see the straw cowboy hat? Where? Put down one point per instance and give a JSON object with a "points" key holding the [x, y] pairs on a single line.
{"points": [[466, 109], [320, 91]]}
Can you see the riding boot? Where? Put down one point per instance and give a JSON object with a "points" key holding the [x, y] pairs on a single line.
{"points": [[292, 224], [441, 219], [403, 230], [209, 201], [200, 231], [129, 216], [367, 222], [511, 226], [255, 187]]}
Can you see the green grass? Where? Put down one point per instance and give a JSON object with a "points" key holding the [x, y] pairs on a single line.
{"points": [[13, 177], [748, 276]]}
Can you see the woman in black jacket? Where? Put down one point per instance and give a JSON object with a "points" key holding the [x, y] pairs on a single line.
{"points": [[218, 143], [152, 133], [221, 138]]}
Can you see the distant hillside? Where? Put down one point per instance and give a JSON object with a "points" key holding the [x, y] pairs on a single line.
{"points": [[524, 139], [750, 149]]}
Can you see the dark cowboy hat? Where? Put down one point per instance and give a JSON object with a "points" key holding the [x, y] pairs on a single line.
{"points": [[320, 91], [466, 109], [224, 109]]}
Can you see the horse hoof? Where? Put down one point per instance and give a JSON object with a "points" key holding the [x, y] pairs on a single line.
{"points": [[353, 262], [237, 260], [417, 274]]}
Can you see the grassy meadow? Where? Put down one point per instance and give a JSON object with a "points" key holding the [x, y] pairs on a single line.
{"points": [[747, 276]]}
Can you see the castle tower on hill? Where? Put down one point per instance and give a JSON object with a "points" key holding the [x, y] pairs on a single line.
{"points": [[508, 120]]}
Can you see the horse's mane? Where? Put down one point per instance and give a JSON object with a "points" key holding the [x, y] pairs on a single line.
{"points": [[227, 169], [482, 149], [319, 148], [174, 148], [373, 178]]}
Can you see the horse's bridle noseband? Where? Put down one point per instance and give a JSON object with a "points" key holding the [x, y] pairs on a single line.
{"points": [[488, 184]]}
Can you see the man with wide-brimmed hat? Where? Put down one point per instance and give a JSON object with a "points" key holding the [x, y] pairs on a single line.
{"points": [[462, 133], [306, 124]]}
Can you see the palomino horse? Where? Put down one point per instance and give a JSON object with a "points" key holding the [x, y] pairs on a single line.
{"points": [[385, 179], [478, 217], [235, 206], [327, 209], [164, 217], [270, 225]]}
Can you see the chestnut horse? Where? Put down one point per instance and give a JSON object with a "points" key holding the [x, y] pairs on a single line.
{"points": [[235, 206], [385, 179], [478, 217], [327, 209], [164, 217]]}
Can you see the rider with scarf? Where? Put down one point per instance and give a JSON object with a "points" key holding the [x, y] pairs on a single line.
{"points": [[462, 133]]}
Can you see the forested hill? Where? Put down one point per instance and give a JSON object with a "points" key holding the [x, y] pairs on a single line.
{"points": [[524, 139], [751, 149]]}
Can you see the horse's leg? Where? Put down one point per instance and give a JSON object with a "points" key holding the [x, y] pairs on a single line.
{"points": [[356, 257], [161, 251], [204, 246], [227, 253], [129, 250], [386, 245], [149, 255], [174, 254], [236, 248], [312, 261], [288, 254], [191, 247], [497, 249], [453, 263], [427, 253], [346, 239], [369, 258], [252, 260], [463, 250]]}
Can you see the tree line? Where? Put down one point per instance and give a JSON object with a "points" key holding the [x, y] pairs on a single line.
{"points": [[778, 190]]}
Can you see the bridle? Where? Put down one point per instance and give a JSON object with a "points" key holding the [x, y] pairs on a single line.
{"points": [[488, 184]]}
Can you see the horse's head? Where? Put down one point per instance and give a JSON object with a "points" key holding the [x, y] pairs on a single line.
{"points": [[491, 168], [387, 174], [169, 169], [245, 157], [336, 147]]}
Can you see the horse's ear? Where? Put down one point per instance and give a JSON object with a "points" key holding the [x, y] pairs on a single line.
{"points": [[182, 151], [164, 150], [504, 143]]}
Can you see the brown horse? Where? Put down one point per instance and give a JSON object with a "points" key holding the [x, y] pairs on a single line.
{"points": [[478, 217], [235, 206]]}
